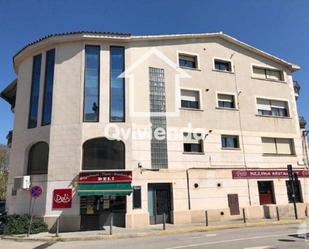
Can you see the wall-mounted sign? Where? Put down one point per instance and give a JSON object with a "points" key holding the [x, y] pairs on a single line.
{"points": [[256, 174], [105, 176], [35, 191], [62, 198]]}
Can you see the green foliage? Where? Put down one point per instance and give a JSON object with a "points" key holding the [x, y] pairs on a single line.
{"points": [[18, 224], [3, 184]]}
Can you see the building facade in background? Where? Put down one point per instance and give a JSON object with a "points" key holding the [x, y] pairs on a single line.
{"points": [[141, 126]]}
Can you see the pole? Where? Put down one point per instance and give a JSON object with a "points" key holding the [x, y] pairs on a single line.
{"points": [[244, 215], [292, 178], [277, 210], [206, 216], [163, 221], [31, 216], [111, 224]]}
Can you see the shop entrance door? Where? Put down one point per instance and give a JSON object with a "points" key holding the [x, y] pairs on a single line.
{"points": [[96, 211], [159, 202], [266, 192]]}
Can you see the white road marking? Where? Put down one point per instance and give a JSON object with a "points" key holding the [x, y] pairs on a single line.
{"points": [[226, 241], [205, 235], [259, 247]]}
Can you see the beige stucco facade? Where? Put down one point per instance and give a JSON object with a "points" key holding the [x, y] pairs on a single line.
{"points": [[211, 170]]}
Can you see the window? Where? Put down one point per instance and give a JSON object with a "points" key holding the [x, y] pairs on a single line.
{"points": [[272, 107], [230, 142], [297, 191], [117, 86], [102, 154], [189, 61], [137, 197], [226, 101], [266, 73], [35, 91], [38, 159], [91, 88], [281, 146], [193, 142], [222, 65], [48, 87], [266, 192], [190, 99]]}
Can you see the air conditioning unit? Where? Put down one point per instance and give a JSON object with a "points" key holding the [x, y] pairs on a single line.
{"points": [[21, 182]]}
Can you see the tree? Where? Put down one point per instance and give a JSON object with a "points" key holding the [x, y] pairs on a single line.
{"points": [[3, 171]]}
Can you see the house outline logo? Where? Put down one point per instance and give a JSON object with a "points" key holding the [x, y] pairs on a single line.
{"points": [[129, 74]]}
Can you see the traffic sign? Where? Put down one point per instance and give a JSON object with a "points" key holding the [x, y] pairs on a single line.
{"points": [[36, 191]]}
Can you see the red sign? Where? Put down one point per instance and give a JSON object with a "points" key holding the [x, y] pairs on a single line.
{"points": [[105, 176], [62, 198], [256, 174]]}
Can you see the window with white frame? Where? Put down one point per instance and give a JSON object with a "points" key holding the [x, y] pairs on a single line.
{"points": [[226, 101], [192, 142], [270, 107], [267, 73], [190, 99], [223, 65], [187, 60], [279, 146]]}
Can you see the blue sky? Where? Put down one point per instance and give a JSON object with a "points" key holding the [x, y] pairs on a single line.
{"points": [[280, 27]]}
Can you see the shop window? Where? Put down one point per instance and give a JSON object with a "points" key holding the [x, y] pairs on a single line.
{"points": [[297, 191], [38, 159], [103, 154], [137, 197]]}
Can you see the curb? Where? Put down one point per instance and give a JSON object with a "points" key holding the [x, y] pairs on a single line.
{"points": [[22, 238]]}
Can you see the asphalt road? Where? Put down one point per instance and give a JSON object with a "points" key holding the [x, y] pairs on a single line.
{"points": [[269, 237]]}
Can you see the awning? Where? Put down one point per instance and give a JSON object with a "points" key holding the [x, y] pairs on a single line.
{"points": [[106, 189]]}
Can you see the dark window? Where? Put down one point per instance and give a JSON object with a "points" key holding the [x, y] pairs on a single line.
{"points": [[102, 154], [223, 65], [137, 197], [48, 87], [192, 142], [229, 141], [91, 88], [117, 86], [38, 159], [297, 191], [187, 61], [35, 91], [190, 99], [226, 101]]}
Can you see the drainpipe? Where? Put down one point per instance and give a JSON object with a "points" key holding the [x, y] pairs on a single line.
{"points": [[241, 130], [188, 189]]}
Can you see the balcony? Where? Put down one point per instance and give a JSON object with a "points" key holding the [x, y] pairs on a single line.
{"points": [[302, 122], [296, 88]]}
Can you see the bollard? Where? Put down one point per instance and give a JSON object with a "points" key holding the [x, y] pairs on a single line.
{"points": [[244, 215], [57, 226], [206, 217], [163, 221], [111, 224], [306, 211], [277, 210]]}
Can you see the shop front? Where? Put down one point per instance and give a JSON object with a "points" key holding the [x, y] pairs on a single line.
{"points": [[103, 195]]}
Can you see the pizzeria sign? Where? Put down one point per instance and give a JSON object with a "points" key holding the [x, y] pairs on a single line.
{"points": [[256, 174]]}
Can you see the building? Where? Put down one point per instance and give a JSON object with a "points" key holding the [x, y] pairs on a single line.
{"points": [[231, 107]]}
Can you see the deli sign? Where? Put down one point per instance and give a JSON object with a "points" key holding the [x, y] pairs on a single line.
{"points": [[256, 174], [62, 198], [105, 176]]}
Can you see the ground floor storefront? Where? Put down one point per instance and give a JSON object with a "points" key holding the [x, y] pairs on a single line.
{"points": [[141, 198]]}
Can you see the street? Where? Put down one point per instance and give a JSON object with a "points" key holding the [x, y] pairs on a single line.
{"points": [[269, 237]]}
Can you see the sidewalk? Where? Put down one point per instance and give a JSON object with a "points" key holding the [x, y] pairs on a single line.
{"points": [[151, 230]]}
